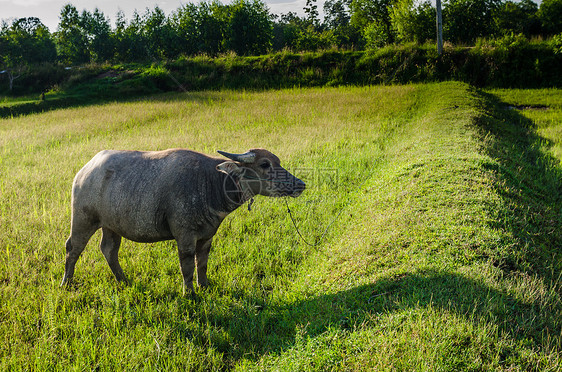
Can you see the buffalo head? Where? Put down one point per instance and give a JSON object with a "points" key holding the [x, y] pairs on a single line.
{"points": [[259, 172]]}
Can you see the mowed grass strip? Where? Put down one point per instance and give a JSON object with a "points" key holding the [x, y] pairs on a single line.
{"points": [[453, 261], [445, 255]]}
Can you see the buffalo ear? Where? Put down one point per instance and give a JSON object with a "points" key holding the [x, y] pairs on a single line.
{"points": [[230, 168]]}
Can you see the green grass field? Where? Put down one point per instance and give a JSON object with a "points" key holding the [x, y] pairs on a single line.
{"points": [[444, 253]]}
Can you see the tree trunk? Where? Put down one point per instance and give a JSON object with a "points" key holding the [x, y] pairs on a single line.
{"points": [[11, 78]]}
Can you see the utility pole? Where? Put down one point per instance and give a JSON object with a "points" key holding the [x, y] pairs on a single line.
{"points": [[439, 28]]}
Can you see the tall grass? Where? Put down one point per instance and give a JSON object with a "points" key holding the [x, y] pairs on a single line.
{"points": [[444, 255]]}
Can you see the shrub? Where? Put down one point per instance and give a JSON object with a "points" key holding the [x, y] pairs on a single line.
{"points": [[556, 44], [375, 35], [159, 76]]}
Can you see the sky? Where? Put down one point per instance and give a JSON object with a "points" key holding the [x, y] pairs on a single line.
{"points": [[48, 10]]}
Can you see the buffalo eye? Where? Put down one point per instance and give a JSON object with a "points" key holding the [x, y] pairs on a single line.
{"points": [[265, 165]]}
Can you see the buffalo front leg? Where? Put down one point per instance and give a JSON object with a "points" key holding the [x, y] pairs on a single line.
{"points": [[201, 257], [109, 246], [186, 253]]}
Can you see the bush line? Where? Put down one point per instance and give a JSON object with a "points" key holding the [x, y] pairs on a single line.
{"points": [[531, 65]]}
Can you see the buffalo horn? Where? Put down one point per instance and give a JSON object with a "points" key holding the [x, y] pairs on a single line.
{"points": [[247, 157]]}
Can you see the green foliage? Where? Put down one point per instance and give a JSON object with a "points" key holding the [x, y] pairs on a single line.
{"points": [[130, 41], [185, 23], [98, 31], [373, 17], [413, 22], [337, 18], [519, 17], [375, 35], [466, 20], [510, 61], [71, 38], [311, 40], [285, 33], [213, 22], [85, 37], [302, 34], [550, 15], [514, 61], [157, 76], [312, 15], [158, 33], [505, 43], [556, 44], [246, 27], [287, 30], [25, 42], [250, 28]]}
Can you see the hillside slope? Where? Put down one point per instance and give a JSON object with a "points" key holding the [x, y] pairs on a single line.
{"points": [[451, 256], [443, 225]]}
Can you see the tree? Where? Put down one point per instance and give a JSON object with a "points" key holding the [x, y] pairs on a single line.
{"points": [[97, 29], [310, 39], [27, 41], [119, 37], [11, 58], [212, 23], [336, 13], [337, 17], [184, 22], [550, 15], [518, 18], [299, 34], [158, 33], [130, 41], [33, 40], [375, 35], [71, 39], [250, 29], [286, 30], [312, 16], [375, 15], [466, 20], [413, 22]]}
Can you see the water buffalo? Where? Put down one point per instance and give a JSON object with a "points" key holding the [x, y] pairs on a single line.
{"points": [[162, 195]]}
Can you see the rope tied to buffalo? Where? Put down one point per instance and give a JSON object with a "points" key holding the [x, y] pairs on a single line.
{"points": [[319, 240]]}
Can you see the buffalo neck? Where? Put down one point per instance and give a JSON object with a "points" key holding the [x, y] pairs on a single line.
{"points": [[233, 193]]}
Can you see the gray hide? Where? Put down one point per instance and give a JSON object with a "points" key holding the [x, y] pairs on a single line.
{"points": [[162, 195]]}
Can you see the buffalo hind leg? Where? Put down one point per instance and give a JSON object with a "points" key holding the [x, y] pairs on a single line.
{"points": [[109, 246], [201, 257], [74, 247]]}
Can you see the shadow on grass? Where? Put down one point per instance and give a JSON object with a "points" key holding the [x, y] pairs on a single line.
{"points": [[254, 329], [529, 181], [85, 100]]}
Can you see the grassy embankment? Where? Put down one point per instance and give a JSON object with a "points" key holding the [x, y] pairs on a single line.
{"points": [[446, 257], [508, 62]]}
